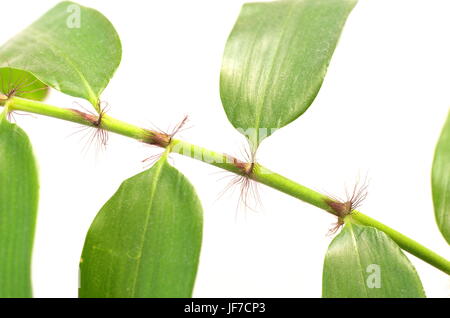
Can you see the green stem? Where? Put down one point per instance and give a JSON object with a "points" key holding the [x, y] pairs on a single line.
{"points": [[223, 161]]}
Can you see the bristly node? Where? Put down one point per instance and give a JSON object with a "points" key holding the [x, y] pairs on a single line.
{"points": [[98, 135], [342, 208], [21, 85], [245, 181], [162, 139]]}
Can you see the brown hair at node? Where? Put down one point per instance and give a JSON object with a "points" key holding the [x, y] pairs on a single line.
{"points": [[162, 139], [21, 85], [244, 181], [342, 208], [97, 135]]}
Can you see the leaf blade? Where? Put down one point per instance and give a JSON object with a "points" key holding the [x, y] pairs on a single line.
{"points": [[25, 84], [440, 181], [19, 190], [363, 262], [275, 60], [78, 61], [148, 245]]}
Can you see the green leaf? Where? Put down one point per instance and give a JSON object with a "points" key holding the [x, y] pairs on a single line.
{"points": [[440, 181], [71, 48], [19, 191], [363, 262], [23, 84], [275, 60], [146, 240]]}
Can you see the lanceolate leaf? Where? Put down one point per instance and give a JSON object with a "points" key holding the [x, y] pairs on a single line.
{"points": [[145, 241], [71, 48], [441, 181], [19, 190], [23, 84], [275, 60], [364, 262]]}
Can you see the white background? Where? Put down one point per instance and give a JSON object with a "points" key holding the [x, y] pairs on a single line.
{"points": [[380, 111]]}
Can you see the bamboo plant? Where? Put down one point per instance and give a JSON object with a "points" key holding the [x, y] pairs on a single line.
{"points": [[143, 244]]}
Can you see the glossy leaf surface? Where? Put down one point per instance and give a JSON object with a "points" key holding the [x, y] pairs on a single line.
{"points": [[275, 61], [19, 191], [23, 84], [73, 49], [146, 240], [363, 262], [441, 181]]}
